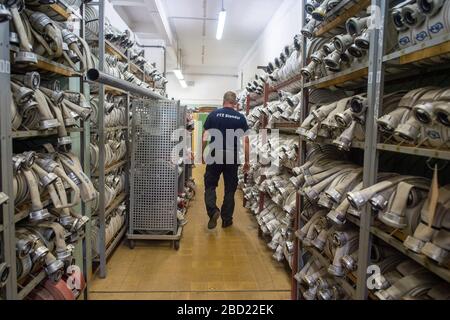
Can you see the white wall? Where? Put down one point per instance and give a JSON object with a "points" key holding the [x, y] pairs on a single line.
{"points": [[114, 18], [207, 91], [280, 31]]}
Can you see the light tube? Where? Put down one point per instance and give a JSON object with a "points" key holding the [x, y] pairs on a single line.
{"points": [[178, 74], [221, 24], [183, 84]]}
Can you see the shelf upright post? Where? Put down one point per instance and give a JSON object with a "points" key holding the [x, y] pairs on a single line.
{"points": [[128, 144], [301, 158], [247, 105], [266, 93], [101, 140], [6, 182], [375, 88], [247, 112], [86, 163]]}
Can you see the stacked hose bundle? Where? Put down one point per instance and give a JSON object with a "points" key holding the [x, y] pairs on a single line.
{"points": [[399, 278], [336, 185], [287, 66], [277, 217], [400, 202], [404, 279], [68, 288], [280, 189], [334, 188], [280, 150], [283, 68], [112, 66], [317, 284], [276, 224], [35, 107], [114, 223], [431, 235], [42, 239], [120, 39], [114, 186], [421, 20], [126, 42], [342, 120], [44, 7], [35, 33], [288, 107], [249, 187], [115, 150], [344, 49], [335, 242], [114, 110], [421, 118], [253, 118], [136, 55]]}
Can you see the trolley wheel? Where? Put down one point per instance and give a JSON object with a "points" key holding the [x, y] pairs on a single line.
{"points": [[176, 244], [131, 244]]}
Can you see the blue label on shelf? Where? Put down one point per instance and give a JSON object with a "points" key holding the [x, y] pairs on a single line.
{"points": [[437, 27], [421, 36], [404, 41]]}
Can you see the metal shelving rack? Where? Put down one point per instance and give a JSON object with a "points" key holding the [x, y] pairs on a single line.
{"points": [[286, 128], [12, 289], [372, 76], [374, 71], [8, 216], [7, 250], [105, 46]]}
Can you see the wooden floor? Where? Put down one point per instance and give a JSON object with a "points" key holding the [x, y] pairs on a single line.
{"points": [[232, 263]]}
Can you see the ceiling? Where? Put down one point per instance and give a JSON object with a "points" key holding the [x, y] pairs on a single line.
{"points": [[190, 25]]}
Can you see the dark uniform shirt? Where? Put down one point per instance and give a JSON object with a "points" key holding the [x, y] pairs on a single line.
{"points": [[221, 120]]}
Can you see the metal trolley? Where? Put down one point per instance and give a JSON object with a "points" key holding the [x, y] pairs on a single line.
{"points": [[155, 178]]}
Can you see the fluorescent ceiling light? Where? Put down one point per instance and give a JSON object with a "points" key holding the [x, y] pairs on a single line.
{"points": [[178, 74], [183, 84], [221, 24]]}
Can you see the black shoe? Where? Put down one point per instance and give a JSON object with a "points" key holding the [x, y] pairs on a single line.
{"points": [[213, 220], [226, 224]]}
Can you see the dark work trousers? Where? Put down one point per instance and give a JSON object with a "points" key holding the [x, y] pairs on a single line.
{"points": [[212, 176]]}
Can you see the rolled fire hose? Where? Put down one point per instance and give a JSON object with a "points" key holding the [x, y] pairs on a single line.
{"points": [[360, 198], [424, 233], [72, 165], [25, 163], [407, 285], [52, 290], [438, 247], [346, 243], [63, 252], [16, 117], [39, 33], [406, 195], [15, 9]]}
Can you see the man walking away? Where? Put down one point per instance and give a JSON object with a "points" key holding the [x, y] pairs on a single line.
{"points": [[226, 159]]}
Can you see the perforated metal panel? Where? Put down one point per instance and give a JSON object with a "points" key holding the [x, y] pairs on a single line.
{"points": [[154, 178]]}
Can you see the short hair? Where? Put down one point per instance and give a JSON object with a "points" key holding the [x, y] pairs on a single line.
{"points": [[230, 97]]}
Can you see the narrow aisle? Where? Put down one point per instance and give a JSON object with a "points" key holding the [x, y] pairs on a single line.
{"points": [[232, 263]]}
